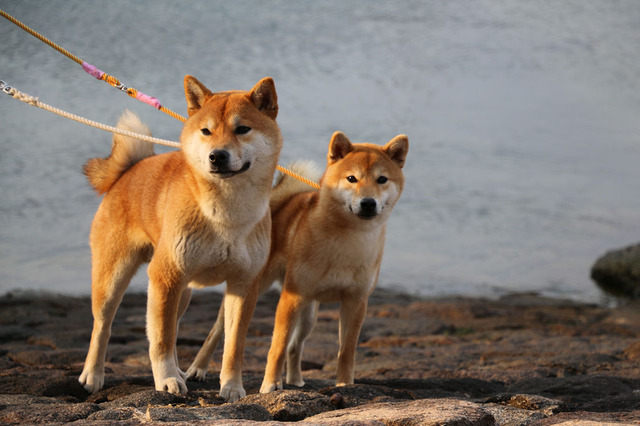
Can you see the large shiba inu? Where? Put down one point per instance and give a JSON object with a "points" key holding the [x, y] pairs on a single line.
{"points": [[199, 216], [326, 246]]}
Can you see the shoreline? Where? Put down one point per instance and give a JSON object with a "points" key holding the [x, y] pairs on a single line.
{"points": [[518, 359]]}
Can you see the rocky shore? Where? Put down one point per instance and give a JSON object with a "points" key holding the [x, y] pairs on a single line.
{"points": [[518, 360]]}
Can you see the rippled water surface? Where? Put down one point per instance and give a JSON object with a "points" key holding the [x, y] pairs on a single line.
{"points": [[522, 119]]}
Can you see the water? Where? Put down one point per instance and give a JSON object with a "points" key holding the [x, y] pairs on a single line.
{"points": [[522, 119]]}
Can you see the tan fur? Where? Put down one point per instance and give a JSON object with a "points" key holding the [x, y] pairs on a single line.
{"points": [[323, 251], [197, 222], [125, 152]]}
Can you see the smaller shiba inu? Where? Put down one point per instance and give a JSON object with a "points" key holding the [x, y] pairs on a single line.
{"points": [[326, 246]]}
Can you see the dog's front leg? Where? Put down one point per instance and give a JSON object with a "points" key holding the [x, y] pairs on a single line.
{"points": [[239, 303], [352, 313], [166, 286]]}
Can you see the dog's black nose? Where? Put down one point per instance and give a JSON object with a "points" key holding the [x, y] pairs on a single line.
{"points": [[368, 206], [219, 157]]}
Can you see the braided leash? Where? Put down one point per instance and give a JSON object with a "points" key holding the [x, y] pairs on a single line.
{"points": [[113, 81], [32, 100], [94, 71]]}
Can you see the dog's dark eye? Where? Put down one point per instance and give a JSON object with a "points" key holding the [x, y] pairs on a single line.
{"points": [[352, 179], [206, 131], [382, 179], [242, 130]]}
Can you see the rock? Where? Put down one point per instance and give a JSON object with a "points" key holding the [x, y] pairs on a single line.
{"points": [[46, 413], [226, 411], [632, 352], [354, 395], [547, 406], [115, 414], [579, 389], [55, 358], [618, 272], [591, 423], [521, 409], [145, 398], [629, 401], [515, 360], [512, 416], [291, 405], [446, 411]]}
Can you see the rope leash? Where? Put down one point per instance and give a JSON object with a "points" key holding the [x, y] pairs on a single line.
{"points": [[34, 101], [113, 81], [94, 71]]}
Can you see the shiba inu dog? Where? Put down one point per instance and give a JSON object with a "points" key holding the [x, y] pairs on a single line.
{"points": [[199, 216], [326, 246]]}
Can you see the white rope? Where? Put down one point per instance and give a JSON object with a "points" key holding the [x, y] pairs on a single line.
{"points": [[31, 100]]}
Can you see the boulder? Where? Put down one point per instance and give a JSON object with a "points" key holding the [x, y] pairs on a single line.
{"points": [[291, 405], [445, 411], [618, 272]]}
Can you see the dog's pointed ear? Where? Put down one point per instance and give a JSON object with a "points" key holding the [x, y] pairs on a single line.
{"points": [[264, 97], [196, 94], [339, 147], [397, 149]]}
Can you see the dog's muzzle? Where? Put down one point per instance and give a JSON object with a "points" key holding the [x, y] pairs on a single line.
{"points": [[219, 160]]}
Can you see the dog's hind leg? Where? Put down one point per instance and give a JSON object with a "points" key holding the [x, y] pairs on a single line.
{"points": [[200, 365], [352, 313], [289, 306], [304, 326], [110, 277], [185, 298], [239, 303]]}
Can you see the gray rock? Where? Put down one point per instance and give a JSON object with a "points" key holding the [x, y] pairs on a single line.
{"points": [[521, 409], [618, 272], [354, 395], [291, 405], [512, 416], [439, 412], [591, 423], [145, 398], [46, 413], [578, 389], [237, 411], [56, 358], [115, 414], [7, 400], [546, 406]]}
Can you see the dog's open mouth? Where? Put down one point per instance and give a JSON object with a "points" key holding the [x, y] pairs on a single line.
{"points": [[226, 173]]}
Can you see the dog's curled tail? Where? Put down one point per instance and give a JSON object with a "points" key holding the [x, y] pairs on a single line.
{"points": [[286, 186], [125, 152]]}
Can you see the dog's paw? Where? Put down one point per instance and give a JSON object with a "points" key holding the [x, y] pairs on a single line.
{"points": [[182, 374], [92, 382], [174, 385], [195, 373], [270, 387], [298, 382], [232, 393], [294, 377]]}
